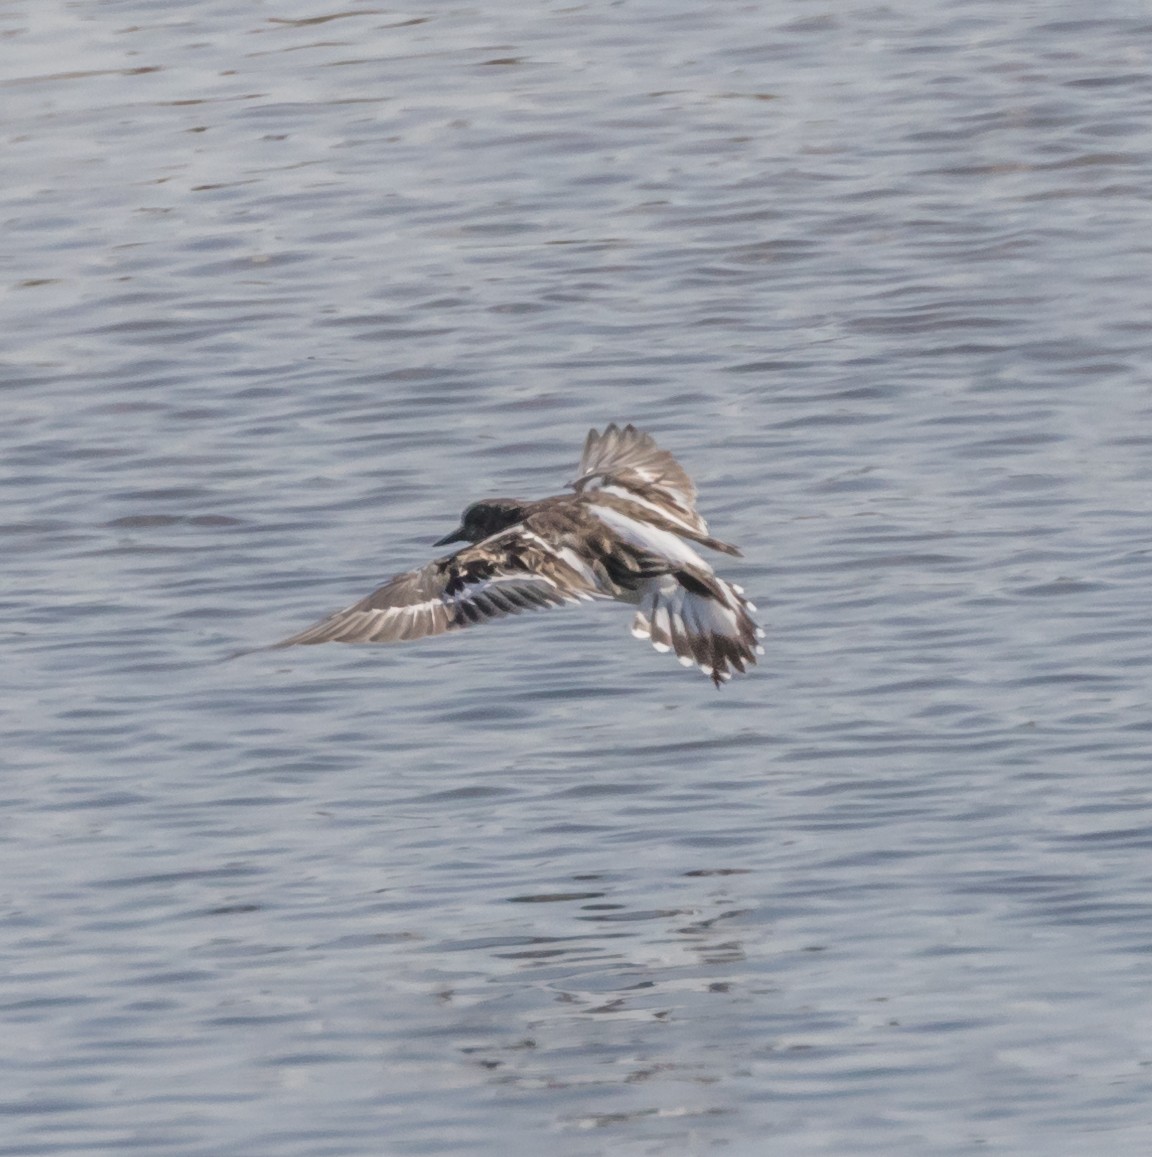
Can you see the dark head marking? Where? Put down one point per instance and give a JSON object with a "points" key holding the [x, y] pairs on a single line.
{"points": [[485, 518]]}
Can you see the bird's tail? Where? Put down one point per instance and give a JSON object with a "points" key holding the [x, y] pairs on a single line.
{"points": [[703, 619]]}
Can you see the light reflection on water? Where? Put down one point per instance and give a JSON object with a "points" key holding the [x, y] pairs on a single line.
{"points": [[286, 292]]}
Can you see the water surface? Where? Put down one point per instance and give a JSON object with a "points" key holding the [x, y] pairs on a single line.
{"points": [[287, 287]]}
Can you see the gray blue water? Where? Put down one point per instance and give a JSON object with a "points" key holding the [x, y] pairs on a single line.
{"points": [[285, 288]]}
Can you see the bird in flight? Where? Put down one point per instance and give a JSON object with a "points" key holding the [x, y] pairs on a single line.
{"points": [[627, 533]]}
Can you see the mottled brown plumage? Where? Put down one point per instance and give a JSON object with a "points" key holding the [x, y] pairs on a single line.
{"points": [[620, 536]]}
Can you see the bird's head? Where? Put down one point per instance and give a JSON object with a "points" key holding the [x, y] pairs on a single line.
{"points": [[483, 519]]}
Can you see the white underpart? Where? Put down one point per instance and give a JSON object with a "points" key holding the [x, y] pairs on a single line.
{"points": [[665, 512], [649, 537]]}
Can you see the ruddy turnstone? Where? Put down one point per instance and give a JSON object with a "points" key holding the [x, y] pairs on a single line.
{"points": [[625, 534]]}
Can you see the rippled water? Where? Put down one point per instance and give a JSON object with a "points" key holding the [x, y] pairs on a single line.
{"points": [[286, 288]]}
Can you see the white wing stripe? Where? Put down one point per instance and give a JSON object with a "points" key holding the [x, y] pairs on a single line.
{"points": [[649, 537], [667, 512]]}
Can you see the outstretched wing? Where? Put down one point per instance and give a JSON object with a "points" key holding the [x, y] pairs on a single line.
{"points": [[627, 464], [506, 574], [630, 459]]}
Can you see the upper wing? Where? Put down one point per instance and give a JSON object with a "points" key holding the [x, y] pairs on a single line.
{"points": [[506, 574], [630, 462]]}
